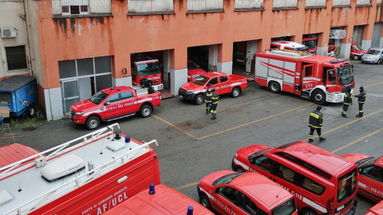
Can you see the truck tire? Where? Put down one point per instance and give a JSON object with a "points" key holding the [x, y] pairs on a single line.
{"points": [[318, 97], [307, 211], [204, 201], [198, 100], [146, 110], [355, 57], [31, 112], [235, 92], [274, 87], [92, 122]]}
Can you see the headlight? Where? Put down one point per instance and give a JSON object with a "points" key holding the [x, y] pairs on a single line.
{"points": [[78, 113]]}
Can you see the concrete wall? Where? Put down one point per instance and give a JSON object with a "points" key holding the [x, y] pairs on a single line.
{"points": [[12, 15]]}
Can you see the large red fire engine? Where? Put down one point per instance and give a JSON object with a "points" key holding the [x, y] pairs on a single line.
{"points": [[147, 71], [88, 175], [321, 78]]}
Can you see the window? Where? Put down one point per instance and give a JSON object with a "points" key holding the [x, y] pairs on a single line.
{"points": [[229, 193], [363, 2], [204, 5], [332, 76], [213, 81], [81, 7], [308, 70], [85, 67], [223, 78], [315, 3], [248, 4], [340, 3], [113, 98], [126, 95], [285, 4], [347, 185], [373, 172], [287, 174], [16, 57], [150, 7]]}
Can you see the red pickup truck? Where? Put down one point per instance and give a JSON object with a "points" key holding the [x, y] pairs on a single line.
{"points": [[220, 81], [114, 103]]}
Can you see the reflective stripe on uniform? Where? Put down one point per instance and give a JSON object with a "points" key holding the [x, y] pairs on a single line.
{"points": [[314, 115], [314, 126]]}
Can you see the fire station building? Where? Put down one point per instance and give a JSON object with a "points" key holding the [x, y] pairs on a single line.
{"points": [[78, 47]]}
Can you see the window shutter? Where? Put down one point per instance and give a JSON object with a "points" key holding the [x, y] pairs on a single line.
{"points": [[256, 3], [242, 3], [100, 6], [284, 3], [162, 5], [56, 7], [363, 2], [341, 2], [214, 4], [196, 5], [315, 3], [379, 1], [139, 6]]}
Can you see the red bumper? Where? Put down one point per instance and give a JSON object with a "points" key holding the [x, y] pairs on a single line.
{"points": [[78, 119]]}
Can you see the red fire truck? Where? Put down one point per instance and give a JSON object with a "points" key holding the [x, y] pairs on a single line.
{"points": [[88, 175], [158, 200], [114, 103], [376, 209], [146, 72], [321, 78]]}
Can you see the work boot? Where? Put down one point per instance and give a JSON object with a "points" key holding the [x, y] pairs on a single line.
{"points": [[311, 140], [359, 115], [213, 117], [344, 115], [207, 111], [321, 139]]}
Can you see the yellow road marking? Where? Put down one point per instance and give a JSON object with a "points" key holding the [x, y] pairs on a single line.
{"points": [[374, 84], [357, 140], [187, 185], [254, 121], [174, 126]]}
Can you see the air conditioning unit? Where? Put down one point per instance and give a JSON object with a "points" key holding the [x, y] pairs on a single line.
{"points": [[8, 33]]}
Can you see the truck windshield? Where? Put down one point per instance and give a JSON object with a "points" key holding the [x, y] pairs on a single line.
{"points": [[147, 69], [345, 75], [98, 97], [285, 208], [346, 185], [226, 178], [201, 80]]}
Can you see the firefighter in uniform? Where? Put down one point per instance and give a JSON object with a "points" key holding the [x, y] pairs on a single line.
{"points": [[316, 124], [361, 99], [214, 104], [208, 95], [346, 103]]}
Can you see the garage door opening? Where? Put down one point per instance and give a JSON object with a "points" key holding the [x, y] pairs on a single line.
{"points": [[244, 55], [198, 57], [311, 41]]}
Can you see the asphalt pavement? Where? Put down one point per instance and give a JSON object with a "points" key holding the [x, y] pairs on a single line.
{"points": [[192, 146]]}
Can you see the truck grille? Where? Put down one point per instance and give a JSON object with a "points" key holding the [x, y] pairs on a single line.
{"points": [[182, 91]]}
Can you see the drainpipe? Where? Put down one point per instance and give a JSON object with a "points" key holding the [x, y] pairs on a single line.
{"points": [[25, 6]]}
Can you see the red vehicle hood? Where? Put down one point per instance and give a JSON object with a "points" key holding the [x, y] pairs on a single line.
{"points": [[82, 106], [194, 72], [209, 179], [377, 209], [249, 150], [192, 86], [358, 52], [354, 157]]}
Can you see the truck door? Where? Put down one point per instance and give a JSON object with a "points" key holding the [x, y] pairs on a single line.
{"points": [[128, 102], [224, 85], [308, 76], [213, 83], [229, 199], [111, 105]]}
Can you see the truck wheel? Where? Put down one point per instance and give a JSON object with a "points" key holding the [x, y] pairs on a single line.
{"points": [[31, 111], [145, 110], [356, 57], [204, 200], [198, 100], [307, 211], [92, 122], [318, 97], [235, 92], [274, 87]]}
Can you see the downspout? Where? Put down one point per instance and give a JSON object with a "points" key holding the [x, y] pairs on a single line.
{"points": [[25, 6]]}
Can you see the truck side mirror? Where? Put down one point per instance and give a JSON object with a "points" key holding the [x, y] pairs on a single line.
{"points": [[107, 103]]}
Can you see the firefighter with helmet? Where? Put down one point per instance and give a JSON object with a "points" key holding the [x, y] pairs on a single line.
{"points": [[214, 104], [361, 100], [347, 101], [208, 95], [316, 124]]}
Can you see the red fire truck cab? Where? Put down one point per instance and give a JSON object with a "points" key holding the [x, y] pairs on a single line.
{"points": [[88, 175], [114, 103], [310, 43], [321, 78], [322, 182], [370, 178], [147, 72], [228, 192], [221, 82], [159, 199]]}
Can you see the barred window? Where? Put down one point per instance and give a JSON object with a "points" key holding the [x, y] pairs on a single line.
{"points": [[284, 4], [150, 6], [204, 5], [248, 4], [363, 2], [341, 3], [80, 7], [315, 3]]}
